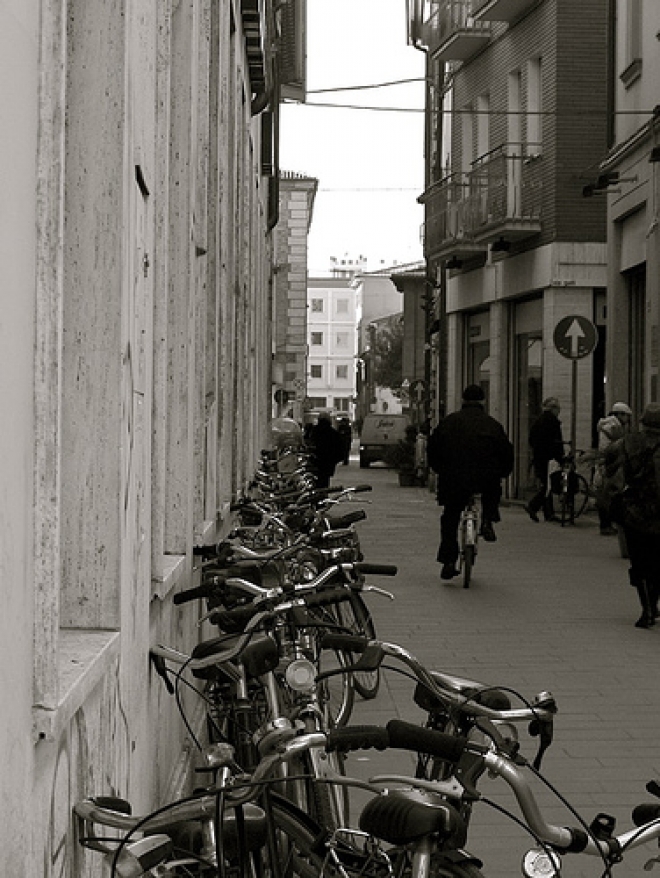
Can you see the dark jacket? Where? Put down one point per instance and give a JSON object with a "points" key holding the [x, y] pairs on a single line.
{"points": [[327, 446], [545, 438], [469, 451]]}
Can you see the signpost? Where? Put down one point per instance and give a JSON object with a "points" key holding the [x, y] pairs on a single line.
{"points": [[575, 337]]}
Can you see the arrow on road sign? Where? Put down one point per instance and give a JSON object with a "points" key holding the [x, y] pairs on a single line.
{"points": [[574, 333]]}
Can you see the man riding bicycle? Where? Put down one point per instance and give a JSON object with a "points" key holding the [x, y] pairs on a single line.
{"points": [[471, 454]]}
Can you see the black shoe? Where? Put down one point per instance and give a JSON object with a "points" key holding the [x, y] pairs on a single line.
{"points": [[448, 571], [645, 621], [531, 513], [551, 518], [488, 533]]}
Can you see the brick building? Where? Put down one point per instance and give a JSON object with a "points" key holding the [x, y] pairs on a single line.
{"points": [[516, 126]]}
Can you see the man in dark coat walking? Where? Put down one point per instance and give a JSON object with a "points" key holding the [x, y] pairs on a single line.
{"points": [[546, 441], [327, 448], [471, 454]]}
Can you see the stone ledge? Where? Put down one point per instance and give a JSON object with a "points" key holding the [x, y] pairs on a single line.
{"points": [[84, 656]]}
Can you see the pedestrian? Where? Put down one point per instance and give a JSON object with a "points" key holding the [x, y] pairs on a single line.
{"points": [[632, 466], [346, 432], [609, 429], [327, 448], [547, 444], [471, 454]]}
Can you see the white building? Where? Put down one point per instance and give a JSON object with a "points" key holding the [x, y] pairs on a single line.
{"points": [[332, 345]]}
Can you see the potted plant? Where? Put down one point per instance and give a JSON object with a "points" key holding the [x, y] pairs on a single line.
{"points": [[402, 458]]}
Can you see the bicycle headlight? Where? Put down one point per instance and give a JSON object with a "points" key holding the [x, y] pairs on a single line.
{"points": [[541, 863], [300, 675]]}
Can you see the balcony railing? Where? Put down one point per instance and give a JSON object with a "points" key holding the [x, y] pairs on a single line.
{"points": [[450, 219], [500, 198], [505, 191], [451, 33]]}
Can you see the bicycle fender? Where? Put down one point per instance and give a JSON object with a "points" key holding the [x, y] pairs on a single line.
{"points": [[459, 856]]}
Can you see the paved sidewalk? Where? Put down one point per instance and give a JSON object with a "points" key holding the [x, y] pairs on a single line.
{"points": [[549, 608]]}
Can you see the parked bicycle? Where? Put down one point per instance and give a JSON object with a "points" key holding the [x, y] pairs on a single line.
{"points": [[571, 488], [410, 828]]}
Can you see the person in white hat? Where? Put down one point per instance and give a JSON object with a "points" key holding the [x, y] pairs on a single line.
{"points": [[609, 429]]}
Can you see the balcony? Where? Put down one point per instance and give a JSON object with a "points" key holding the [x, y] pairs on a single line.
{"points": [[449, 221], [500, 10], [451, 33], [505, 193]]}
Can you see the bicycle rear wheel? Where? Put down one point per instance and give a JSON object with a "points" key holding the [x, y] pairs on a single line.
{"points": [[581, 495], [469, 554]]}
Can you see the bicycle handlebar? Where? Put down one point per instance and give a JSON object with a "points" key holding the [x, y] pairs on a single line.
{"points": [[458, 691], [400, 735]]}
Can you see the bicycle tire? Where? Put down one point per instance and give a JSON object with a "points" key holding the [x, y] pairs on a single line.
{"points": [[336, 693], [581, 496], [355, 617], [295, 842], [566, 515], [469, 553], [446, 869]]}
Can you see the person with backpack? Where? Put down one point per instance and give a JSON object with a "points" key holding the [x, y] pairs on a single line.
{"points": [[632, 489], [471, 454]]}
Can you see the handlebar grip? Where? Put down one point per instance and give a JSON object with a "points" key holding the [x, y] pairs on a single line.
{"points": [[348, 519], [327, 596], [357, 738], [360, 489], [345, 642], [377, 569], [407, 736], [192, 594], [646, 813]]}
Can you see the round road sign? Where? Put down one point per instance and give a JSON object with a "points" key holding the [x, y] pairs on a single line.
{"points": [[575, 337]]}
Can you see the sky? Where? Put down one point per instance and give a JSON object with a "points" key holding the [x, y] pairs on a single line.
{"points": [[369, 163]]}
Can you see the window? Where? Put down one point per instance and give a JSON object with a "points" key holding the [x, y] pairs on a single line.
{"points": [[316, 371], [317, 338], [534, 107], [317, 402], [342, 340], [515, 102], [467, 136], [342, 306], [342, 372], [632, 46], [483, 124], [340, 403], [317, 306]]}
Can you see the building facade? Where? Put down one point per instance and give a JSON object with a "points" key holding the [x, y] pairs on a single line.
{"points": [[290, 337], [332, 346], [629, 182], [516, 125], [139, 183]]}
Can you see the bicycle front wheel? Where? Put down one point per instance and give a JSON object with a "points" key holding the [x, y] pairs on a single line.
{"points": [[354, 616]]}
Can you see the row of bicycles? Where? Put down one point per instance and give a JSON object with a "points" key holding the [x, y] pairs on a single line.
{"points": [[294, 646]]}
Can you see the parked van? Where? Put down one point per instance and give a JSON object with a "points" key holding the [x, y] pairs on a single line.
{"points": [[379, 433]]}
